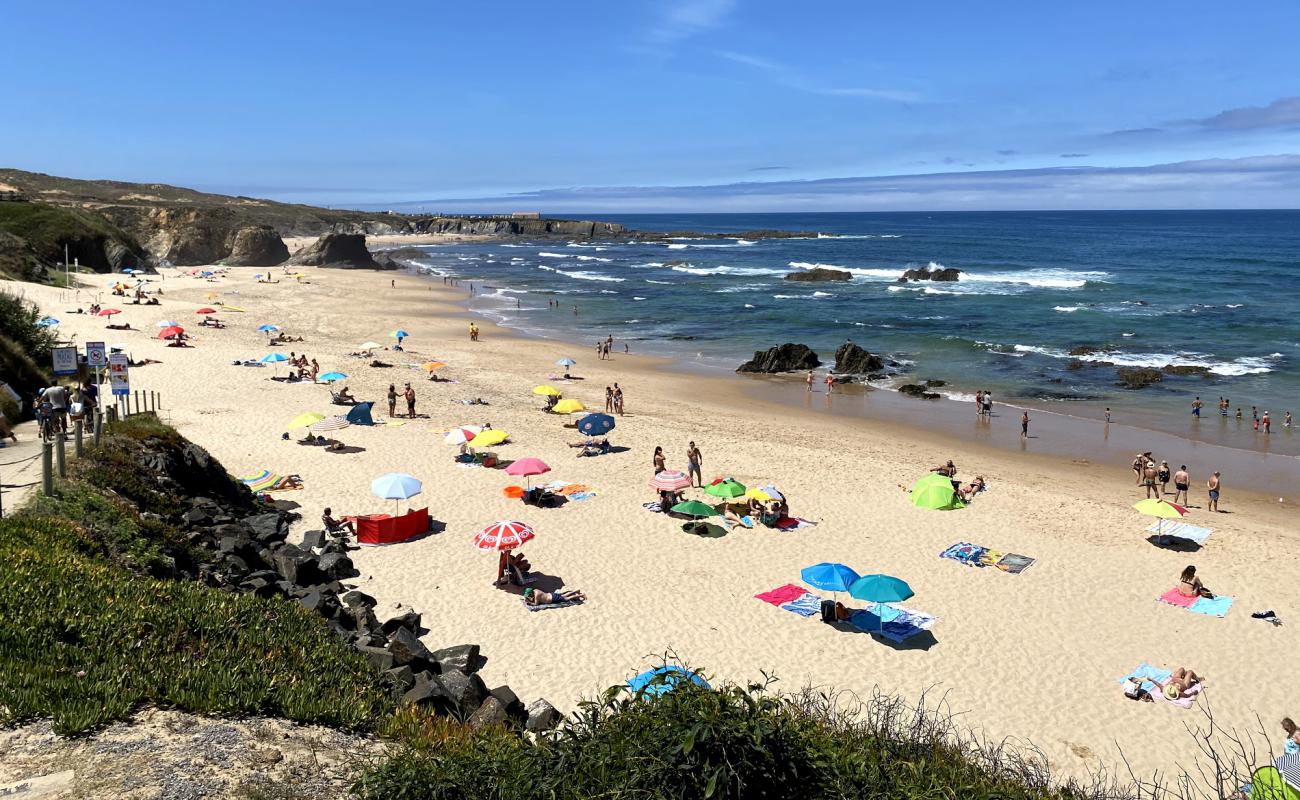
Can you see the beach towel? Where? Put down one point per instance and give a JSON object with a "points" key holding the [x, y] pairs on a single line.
{"points": [[1211, 607], [896, 623], [564, 604], [582, 495], [782, 594], [792, 524], [655, 507], [1147, 675], [990, 558], [746, 522], [469, 464], [1014, 563], [965, 553], [1181, 530], [806, 605], [1176, 598]]}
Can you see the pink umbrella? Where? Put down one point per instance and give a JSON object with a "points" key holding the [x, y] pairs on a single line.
{"points": [[527, 466], [670, 480], [108, 312], [503, 535]]}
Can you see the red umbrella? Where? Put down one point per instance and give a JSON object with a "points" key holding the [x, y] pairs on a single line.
{"points": [[108, 312], [171, 333], [503, 535], [206, 310], [670, 480]]}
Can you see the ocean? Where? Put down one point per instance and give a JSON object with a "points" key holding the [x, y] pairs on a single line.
{"points": [[1211, 289]]}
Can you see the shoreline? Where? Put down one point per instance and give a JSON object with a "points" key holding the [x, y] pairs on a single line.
{"points": [[653, 588]]}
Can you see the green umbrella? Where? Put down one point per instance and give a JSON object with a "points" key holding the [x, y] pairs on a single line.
{"points": [[726, 489], [935, 491], [694, 508]]}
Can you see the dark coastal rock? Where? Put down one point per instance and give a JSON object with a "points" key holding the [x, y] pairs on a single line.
{"points": [[787, 357], [1086, 350], [677, 262], [401, 677], [426, 690], [466, 691], [819, 275], [917, 390], [510, 701], [851, 359], [491, 712], [542, 716], [359, 599], [313, 540], [947, 274], [410, 621], [257, 246], [1182, 369], [380, 659], [463, 657], [407, 648], [387, 262], [1138, 377], [347, 250]]}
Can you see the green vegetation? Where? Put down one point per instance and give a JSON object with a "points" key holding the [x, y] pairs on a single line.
{"points": [[24, 348], [87, 636], [43, 231]]}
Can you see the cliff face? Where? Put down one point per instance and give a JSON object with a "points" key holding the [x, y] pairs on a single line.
{"points": [[35, 237]]}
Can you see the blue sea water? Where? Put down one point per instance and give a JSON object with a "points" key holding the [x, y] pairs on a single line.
{"points": [[1216, 289]]}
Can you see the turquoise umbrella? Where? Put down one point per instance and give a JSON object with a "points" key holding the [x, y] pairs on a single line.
{"points": [[881, 589], [330, 377], [273, 358]]}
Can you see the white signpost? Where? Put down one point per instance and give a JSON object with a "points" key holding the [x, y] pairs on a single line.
{"points": [[65, 361], [118, 375]]}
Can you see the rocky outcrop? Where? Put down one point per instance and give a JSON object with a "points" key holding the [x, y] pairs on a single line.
{"points": [[819, 274], [947, 274], [920, 390], [257, 246], [346, 250], [853, 360], [1185, 369], [787, 357], [505, 226], [1138, 377]]}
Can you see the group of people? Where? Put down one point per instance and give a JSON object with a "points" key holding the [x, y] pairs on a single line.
{"points": [[694, 463], [473, 332], [603, 347], [614, 399], [1261, 422], [408, 394], [1155, 479], [301, 368], [966, 491], [984, 404]]}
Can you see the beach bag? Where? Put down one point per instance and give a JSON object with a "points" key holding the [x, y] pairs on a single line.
{"points": [[828, 610], [1132, 689]]}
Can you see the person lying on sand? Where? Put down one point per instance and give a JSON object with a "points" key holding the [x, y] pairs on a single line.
{"points": [[533, 597], [288, 482], [1177, 687], [967, 491], [144, 362], [125, 326], [377, 363]]}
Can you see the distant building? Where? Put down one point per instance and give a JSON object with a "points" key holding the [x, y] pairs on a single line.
{"points": [[526, 215]]}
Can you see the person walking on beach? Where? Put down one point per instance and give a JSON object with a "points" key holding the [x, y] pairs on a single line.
{"points": [[609, 399], [1214, 485], [410, 401], [1107, 415], [1149, 476], [694, 460], [830, 381], [1024, 425], [1196, 408], [392, 400], [809, 380], [1181, 483], [659, 460], [1139, 461]]}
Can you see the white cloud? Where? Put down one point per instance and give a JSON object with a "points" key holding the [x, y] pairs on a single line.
{"points": [[790, 78], [688, 18]]}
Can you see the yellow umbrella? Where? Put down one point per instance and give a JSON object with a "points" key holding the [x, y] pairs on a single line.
{"points": [[548, 391], [488, 438], [758, 494], [430, 366], [568, 407], [304, 420], [1163, 509]]}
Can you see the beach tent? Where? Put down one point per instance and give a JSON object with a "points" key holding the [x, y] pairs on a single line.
{"points": [[360, 414]]}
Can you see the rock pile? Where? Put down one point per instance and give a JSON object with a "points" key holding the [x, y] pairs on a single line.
{"points": [[947, 274], [786, 357], [336, 250]]}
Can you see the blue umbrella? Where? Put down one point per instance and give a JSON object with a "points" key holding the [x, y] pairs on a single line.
{"points": [[661, 680], [399, 334], [881, 589], [596, 424], [330, 377], [829, 576], [566, 362], [268, 328], [47, 322], [273, 358], [396, 486]]}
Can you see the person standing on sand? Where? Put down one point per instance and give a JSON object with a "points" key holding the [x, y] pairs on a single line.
{"points": [[410, 401], [618, 399], [694, 460], [1196, 407], [392, 400], [1162, 475], [830, 381], [988, 403], [1024, 425], [1266, 422], [979, 403], [809, 380], [609, 399], [1138, 462], [1181, 483], [659, 460], [1107, 415], [1149, 476], [1214, 485]]}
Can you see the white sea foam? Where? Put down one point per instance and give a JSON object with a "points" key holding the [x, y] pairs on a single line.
{"points": [[932, 290], [723, 269], [555, 255], [582, 275], [1068, 309], [1247, 365], [750, 305], [861, 272], [595, 258], [749, 287], [661, 283], [678, 246], [638, 298], [1233, 305], [813, 296]]}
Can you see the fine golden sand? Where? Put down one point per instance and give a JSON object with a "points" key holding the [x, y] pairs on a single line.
{"points": [[1036, 656]]}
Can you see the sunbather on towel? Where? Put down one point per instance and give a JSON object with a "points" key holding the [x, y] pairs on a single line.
{"points": [[287, 482], [1190, 586], [337, 526], [968, 490], [1177, 687], [533, 597]]}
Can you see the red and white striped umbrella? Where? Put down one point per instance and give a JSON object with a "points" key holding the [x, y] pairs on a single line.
{"points": [[463, 434], [503, 535], [670, 480]]}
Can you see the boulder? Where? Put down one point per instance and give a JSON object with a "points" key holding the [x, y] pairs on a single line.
{"points": [[510, 702], [257, 246], [425, 690], [1184, 369], [298, 567], [947, 274], [819, 275], [337, 565], [853, 360], [787, 357], [542, 716], [379, 658], [1138, 377], [356, 598], [410, 621], [269, 527], [401, 677], [313, 540], [917, 390], [407, 648], [465, 691], [464, 657], [336, 250], [491, 712]]}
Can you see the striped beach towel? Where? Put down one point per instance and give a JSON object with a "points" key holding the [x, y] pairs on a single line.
{"points": [[1180, 530]]}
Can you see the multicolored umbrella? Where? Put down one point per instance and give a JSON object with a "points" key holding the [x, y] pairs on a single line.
{"points": [[332, 423], [462, 435], [568, 407], [1161, 509], [171, 332], [670, 480], [596, 424], [725, 489], [503, 535]]}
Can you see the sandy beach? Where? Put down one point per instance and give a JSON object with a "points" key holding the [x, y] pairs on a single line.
{"points": [[1036, 656]]}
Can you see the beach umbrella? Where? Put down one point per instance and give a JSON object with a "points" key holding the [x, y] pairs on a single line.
{"points": [[430, 366], [527, 467], [462, 435], [758, 494], [171, 332], [566, 362], [47, 322], [546, 391], [268, 328], [305, 419], [568, 407], [880, 589], [488, 438], [368, 345], [396, 486], [330, 377], [694, 508], [1160, 509], [725, 489], [205, 310], [167, 323], [503, 535], [273, 358], [398, 334], [935, 491], [108, 312], [661, 680], [596, 424], [829, 576], [670, 480], [336, 422]]}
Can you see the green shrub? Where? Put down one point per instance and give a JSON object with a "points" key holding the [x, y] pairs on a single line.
{"points": [[25, 347]]}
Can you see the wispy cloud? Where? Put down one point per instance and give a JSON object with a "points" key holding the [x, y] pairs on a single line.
{"points": [[1074, 155], [1136, 132], [1281, 113], [789, 77], [686, 18], [766, 169], [1008, 152]]}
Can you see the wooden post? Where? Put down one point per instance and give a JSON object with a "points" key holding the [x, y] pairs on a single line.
{"points": [[47, 468], [137, 403], [60, 456], [99, 424], [77, 444]]}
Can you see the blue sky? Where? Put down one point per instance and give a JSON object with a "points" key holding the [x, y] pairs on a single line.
{"points": [[678, 105]]}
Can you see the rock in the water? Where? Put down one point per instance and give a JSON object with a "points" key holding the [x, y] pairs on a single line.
{"points": [[819, 275], [1186, 369], [948, 274], [542, 716], [1138, 377], [257, 246], [787, 357], [917, 390], [853, 360], [336, 250]]}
